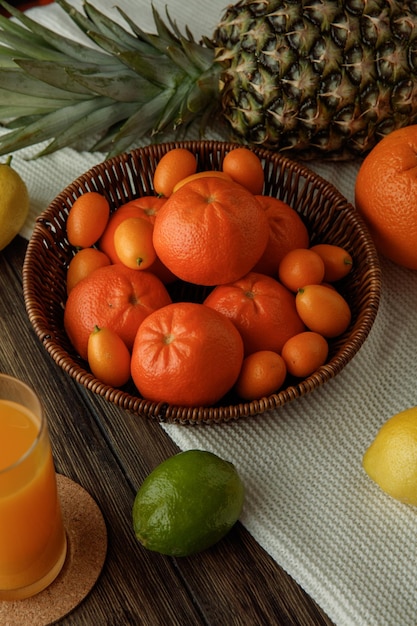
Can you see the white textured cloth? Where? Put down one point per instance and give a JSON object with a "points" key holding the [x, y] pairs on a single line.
{"points": [[308, 501]]}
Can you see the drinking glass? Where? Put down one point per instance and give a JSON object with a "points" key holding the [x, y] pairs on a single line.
{"points": [[33, 541]]}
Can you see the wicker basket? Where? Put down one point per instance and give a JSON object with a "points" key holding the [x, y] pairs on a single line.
{"points": [[329, 217]]}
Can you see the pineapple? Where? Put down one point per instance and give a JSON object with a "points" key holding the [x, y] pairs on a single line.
{"points": [[310, 78]]}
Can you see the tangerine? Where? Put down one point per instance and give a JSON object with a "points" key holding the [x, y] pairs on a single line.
{"points": [[245, 168], [175, 165], [203, 174], [262, 310], [262, 374], [87, 219], [211, 231], [305, 353], [323, 310], [286, 232], [186, 354], [83, 263], [108, 357], [386, 195], [115, 297]]}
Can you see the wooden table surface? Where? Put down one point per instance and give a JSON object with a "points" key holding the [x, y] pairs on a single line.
{"points": [[109, 452]]}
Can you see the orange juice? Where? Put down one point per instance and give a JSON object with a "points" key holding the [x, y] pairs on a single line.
{"points": [[32, 535]]}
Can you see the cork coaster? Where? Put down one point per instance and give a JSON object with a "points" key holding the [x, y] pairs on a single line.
{"points": [[87, 547]]}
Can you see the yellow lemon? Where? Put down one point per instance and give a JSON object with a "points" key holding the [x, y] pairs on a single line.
{"points": [[391, 459], [14, 203]]}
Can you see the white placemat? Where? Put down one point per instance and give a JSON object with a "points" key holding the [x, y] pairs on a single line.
{"points": [[308, 503]]}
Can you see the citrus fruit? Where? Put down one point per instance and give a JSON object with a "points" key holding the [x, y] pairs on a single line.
{"points": [[145, 207], [175, 165], [187, 503], [114, 297], [186, 354], [391, 459], [286, 232], [300, 267], [108, 357], [386, 195], [305, 353], [133, 243], [83, 263], [203, 174], [14, 203], [87, 219], [337, 261], [323, 310], [262, 310], [262, 373], [210, 231], [245, 168]]}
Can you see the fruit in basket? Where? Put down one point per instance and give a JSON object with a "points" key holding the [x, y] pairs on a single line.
{"points": [[304, 353], [337, 261], [386, 196], [174, 166], [391, 459], [187, 503], [186, 354], [108, 357], [323, 310], [328, 78], [286, 232], [262, 374], [83, 263], [261, 308], [116, 297], [245, 168], [14, 203], [133, 243], [87, 219], [300, 267], [210, 231]]}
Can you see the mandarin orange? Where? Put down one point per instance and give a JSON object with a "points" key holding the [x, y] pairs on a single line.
{"points": [[211, 231], [262, 309], [287, 231], [186, 354], [116, 297]]}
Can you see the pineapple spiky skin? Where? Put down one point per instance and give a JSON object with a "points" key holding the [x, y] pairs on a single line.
{"points": [[319, 76], [307, 77]]}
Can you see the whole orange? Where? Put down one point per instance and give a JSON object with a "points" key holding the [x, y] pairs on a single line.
{"points": [[262, 310], [211, 231], [116, 297], [287, 231], [186, 354], [386, 195]]}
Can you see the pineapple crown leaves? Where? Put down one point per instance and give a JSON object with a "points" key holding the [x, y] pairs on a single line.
{"points": [[118, 87]]}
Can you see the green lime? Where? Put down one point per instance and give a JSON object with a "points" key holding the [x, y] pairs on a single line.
{"points": [[188, 503]]}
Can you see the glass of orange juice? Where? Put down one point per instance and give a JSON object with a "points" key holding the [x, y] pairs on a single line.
{"points": [[33, 542]]}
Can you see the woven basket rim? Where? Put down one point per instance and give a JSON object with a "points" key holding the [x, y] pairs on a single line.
{"points": [[162, 411]]}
